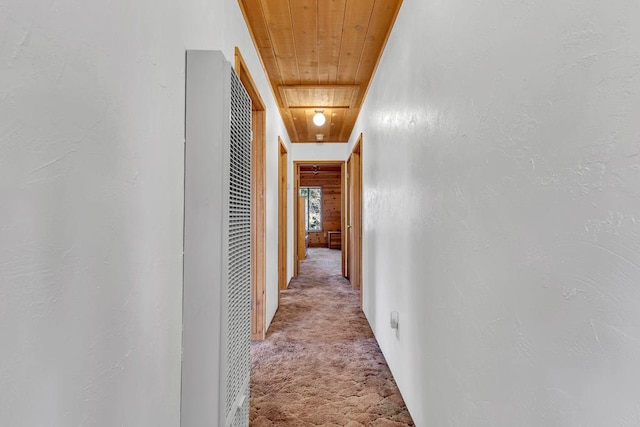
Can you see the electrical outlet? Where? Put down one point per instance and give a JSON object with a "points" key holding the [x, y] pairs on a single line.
{"points": [[394, 320]]}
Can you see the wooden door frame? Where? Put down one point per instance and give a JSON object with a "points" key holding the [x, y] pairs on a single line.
{"points": [[347, 218], [282, 215], [343, 203], [302, 248], [296, 191], [354, 214], [258, 202]]}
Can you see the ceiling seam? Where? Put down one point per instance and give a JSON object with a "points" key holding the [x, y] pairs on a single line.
{"points": [[364, 44], [344, 17], [264, 17], [283, 111], [293, 37]]}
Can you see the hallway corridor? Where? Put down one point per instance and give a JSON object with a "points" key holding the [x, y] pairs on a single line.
{"points": [[320, 364]]}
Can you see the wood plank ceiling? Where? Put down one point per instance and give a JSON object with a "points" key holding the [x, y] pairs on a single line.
{"points": [[320, 55]]}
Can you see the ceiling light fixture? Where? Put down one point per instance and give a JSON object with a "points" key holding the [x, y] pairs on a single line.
{"points": [[318, 118]]}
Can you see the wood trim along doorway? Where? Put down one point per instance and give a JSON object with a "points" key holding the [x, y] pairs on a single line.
{"points": [[353, 217], [296, 191], [258, 182], [283, 164]]}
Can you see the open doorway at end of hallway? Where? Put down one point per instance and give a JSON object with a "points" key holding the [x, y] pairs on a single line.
{"points": [[319, 193]]}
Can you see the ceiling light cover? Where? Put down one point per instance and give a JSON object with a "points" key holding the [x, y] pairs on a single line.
{"points": [[318, 118]]}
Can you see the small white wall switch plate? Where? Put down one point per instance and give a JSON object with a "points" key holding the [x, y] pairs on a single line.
{"points": [[394, 320]]}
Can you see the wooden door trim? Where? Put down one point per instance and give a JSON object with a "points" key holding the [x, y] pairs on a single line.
{"points": [[245, 77], [355, 212], [347, 218], [282, 215], [258, 202], [296, 192], [302, 249], [343, 198]]}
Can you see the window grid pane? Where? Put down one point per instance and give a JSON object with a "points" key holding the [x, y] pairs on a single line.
{"points": [[313, 207]]}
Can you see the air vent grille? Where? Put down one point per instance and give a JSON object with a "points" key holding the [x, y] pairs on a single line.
{"points": [[239, 290]]}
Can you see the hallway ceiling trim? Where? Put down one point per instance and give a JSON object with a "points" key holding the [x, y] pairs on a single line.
{"points": [[320, 55]]}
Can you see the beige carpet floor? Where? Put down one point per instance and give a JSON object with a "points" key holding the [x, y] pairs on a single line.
{"points": [[320, 364]]}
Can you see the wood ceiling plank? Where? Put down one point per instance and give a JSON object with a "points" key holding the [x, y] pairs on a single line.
{"points": [[326, 178], [252, 10], [337, 123], [289, 123], [349, 121], [271, 64], [290, 97], [320, 43], [318, 96], [304, 17], [321, 97], [256, 22], [356, 20], [311, 180], [300, 123], [382, 18], [348, 98], [330, 23], [278, 19], [322, 172]]}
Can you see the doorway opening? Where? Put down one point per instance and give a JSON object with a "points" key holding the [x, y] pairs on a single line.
{"points": [[319, 207], [282, 216]]}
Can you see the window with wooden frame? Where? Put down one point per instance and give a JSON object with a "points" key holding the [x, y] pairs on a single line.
{"points": [[313, 207]]}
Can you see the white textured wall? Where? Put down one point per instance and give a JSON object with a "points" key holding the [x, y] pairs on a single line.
{"points": [[273, 153], [91, 193], [502, 211], [319, 151]]}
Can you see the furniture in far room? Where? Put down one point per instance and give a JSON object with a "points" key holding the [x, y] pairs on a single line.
{"points": [[334, 239]]}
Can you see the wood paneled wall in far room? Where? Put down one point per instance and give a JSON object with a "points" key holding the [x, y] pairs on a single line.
{"points": [[328, 177]]}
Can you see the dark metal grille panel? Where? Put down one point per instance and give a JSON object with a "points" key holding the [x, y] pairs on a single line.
{"points": [[239, 290]]}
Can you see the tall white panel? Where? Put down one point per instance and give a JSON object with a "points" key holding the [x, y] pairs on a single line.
{"points": [[216, 314]]}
